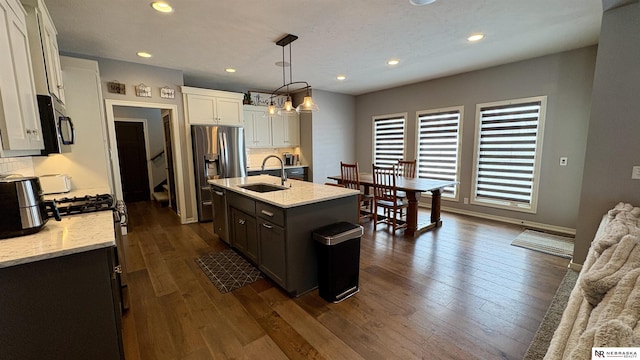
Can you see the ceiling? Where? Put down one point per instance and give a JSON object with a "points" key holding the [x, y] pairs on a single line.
{"points": [[354, 38]]}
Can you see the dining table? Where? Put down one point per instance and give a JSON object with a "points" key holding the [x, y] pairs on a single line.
{"points": [[413, 187]]}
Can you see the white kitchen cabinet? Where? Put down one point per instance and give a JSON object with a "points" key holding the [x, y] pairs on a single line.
{"points": [[19, 119], [212, 107], [257, 127], [285, 130], [43, 44]]}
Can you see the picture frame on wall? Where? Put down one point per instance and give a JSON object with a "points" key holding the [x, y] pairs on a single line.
{"points": [[143, 90]]}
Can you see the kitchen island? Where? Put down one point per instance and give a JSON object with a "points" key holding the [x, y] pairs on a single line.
{"points": [[59, 295], [273, 229]]}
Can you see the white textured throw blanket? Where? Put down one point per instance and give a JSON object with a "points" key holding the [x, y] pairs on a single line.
{"points": [[604, 306]]}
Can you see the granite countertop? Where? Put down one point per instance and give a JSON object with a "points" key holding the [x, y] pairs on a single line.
{"points": [[74, 234], [298, 193], [275, 167]]}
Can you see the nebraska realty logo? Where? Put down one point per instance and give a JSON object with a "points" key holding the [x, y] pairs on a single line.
{"points": [[615, 353]]}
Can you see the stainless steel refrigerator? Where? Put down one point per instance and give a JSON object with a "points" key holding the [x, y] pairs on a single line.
{"points": [[218, 152]]}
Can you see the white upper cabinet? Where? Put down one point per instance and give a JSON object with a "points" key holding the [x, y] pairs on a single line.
{"points": [[257, 127], [212, 107], [285, 130], [43, 43], [19, 119]]}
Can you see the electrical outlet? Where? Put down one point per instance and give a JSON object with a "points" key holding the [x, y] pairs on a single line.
{"points": [[635, 173], [563, 161], [466, 201]]}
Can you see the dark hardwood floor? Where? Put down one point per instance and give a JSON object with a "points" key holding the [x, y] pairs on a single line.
{"points": [[460, 292]]}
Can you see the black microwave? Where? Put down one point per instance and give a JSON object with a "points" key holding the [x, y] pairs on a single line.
{"points": [[57, 128]]}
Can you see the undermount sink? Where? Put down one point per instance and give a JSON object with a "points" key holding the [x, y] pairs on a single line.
{"points": [[262, 188]]}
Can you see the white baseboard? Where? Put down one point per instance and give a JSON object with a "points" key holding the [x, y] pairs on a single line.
{"points": [[531, 224]]}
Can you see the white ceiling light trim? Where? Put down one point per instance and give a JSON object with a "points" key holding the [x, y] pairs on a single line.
{"points": [[475, 37], [421, 2], [162, 7]]}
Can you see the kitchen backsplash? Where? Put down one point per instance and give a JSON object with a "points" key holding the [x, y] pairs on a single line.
{"points": [[255, 156], [17, 165]]}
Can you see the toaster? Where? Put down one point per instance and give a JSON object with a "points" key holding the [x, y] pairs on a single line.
{"points": [[55, 184]]}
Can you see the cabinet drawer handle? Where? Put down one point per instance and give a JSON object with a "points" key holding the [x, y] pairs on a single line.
{"points": [[267, 226], [219, 193], [207, 203], [268, 213], [241, 221]]}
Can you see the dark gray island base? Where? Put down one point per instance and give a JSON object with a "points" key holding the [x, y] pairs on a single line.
{"points": [[61, 308], [274, 231]]}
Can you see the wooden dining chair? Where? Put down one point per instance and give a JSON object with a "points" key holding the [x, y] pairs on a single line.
{"points": [[351, 180], [405, 168], [385, 195]]}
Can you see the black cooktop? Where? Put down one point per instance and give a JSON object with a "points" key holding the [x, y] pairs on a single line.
{"points": [[85, 204]]}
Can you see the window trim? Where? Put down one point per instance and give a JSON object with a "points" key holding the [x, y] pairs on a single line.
{"points": [[537, 163], [459, 108], [373, 133]]}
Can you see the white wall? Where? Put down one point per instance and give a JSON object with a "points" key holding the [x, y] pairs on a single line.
{"points": [[328, 134], [566, 78], [87, 164]]}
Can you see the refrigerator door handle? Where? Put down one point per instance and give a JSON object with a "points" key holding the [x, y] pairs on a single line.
{"points": [[223, 160]]}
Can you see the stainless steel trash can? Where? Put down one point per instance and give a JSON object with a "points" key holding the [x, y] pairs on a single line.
{"points": [[338, 249]]}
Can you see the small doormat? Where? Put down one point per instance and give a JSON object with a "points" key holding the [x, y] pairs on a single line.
{"points": [[547, 243], [227, 270]]}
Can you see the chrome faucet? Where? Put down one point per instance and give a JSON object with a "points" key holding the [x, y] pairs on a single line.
{"points": [[283, 176]]}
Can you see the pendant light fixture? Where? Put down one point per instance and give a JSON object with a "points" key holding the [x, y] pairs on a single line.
{"points": [[307, 104]]}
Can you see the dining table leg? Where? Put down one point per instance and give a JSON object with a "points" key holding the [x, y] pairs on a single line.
{"points": [[436, 199], [412, 213], [415, 229]]}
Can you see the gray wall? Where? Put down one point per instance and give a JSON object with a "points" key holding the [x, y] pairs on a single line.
{"points": [[566, 78], [613, 145], [331, 134]]}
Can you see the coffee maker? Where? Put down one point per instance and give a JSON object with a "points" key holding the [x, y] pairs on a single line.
{"points": [[288, 158]]}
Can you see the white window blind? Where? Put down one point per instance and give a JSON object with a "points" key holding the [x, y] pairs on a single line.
{"points": [[388, 139], [508, 148], [439, 146]]}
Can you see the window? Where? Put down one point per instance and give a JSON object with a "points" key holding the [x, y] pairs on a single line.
{"points": [[507, 154], [439, 146], [388, 139]]}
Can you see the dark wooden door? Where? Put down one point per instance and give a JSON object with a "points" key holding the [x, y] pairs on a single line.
{"points": [[132, 155], [169, 162]]}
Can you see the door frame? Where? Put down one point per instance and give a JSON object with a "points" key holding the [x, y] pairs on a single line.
{"points": [[145, 130], [175, 140]]}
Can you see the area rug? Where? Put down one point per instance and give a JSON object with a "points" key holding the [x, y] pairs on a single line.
{"points": [[227, 270], [551, 320], [547, 243]]}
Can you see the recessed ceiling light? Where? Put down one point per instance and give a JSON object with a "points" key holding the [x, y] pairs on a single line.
{"points": [[393, 62], [230, 70], [341, 77], [421, 2], [162, 7], [475, 37], [144, 54]]}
